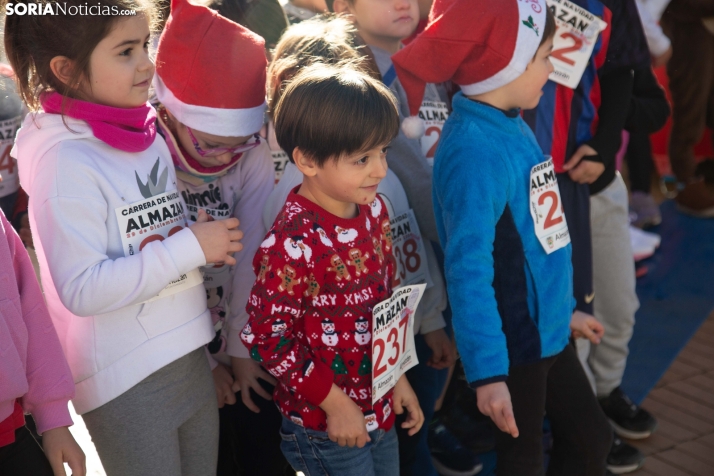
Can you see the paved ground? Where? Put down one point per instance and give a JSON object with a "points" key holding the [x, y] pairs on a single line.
{"points": [[683, 402]]}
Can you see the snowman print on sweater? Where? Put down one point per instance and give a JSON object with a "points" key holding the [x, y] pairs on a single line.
{"points": [[362, 334], [329, 335]]}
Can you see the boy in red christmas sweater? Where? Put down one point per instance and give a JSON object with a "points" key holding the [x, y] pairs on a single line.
{"points": [[322, 268]]}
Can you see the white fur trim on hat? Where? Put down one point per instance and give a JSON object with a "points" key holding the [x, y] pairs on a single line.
{"points": [[413, 127], [211, 120], [527, 44]]}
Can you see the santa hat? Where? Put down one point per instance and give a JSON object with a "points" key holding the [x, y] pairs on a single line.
{"points": [[210, 72], [480, 45]]}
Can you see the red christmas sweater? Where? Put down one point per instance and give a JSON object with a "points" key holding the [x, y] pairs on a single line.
{"points": [[319, 276]]}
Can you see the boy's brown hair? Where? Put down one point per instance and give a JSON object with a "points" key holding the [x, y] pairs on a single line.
{"points": [[31, 41], [549, 30], [328, 111], [328, 39]]}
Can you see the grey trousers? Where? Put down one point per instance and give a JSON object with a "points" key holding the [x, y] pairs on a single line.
{"points": [[166, 425], [614, 286]]}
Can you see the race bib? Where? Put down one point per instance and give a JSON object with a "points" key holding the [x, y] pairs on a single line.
{"points": [[547, 209], [213, 213], [280, 161], [408, 252], [155, 219], [434, 115], [393, 351], [8, 167], [576, 33]]}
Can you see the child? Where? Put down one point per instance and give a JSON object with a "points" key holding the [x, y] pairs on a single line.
{"points": [[119, 267], [223, 168], [505, 239], [332, 39], [35, 375], [321, 269]]}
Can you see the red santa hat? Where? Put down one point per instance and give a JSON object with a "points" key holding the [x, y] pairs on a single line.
{"points": [[210, 72], [480, 45]]}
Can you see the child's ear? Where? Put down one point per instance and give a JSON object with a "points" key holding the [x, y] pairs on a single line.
{"points": [[63, 69], [304, 163], [340, 6]]}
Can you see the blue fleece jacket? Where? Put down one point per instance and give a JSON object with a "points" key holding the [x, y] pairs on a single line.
{"points": [[511, 301]]}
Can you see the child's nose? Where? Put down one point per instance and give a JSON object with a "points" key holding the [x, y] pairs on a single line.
{"points": [[380, 170], [402, 4], [224, 159]]}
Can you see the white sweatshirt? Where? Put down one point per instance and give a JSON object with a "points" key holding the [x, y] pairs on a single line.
{"points": [[240, 193], [96, 295]]}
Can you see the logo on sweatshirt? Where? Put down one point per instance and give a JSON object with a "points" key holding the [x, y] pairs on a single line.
{"points": [[155, 184]]}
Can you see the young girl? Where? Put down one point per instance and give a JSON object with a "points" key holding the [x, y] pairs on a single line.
{"points": [[224, 169], [34, 373], [119, 267]]}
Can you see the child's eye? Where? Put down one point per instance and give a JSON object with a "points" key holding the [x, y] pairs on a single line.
{"points": [[362, 161], [146, 45], [385, 149], [126, 52]]}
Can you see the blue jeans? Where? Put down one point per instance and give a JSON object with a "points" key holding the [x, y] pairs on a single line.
{"points": [[313, 453]]}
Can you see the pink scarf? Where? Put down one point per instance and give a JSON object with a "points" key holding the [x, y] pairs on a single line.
{"points": [[130, 130]]}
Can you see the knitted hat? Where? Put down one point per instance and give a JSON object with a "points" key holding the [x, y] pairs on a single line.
{"points": [[210, 72], [480, 45]]}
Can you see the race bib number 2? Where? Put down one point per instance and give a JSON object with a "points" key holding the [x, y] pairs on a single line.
{"points": [[155, 219], [547, 209], [576, 33], [393, 351]]}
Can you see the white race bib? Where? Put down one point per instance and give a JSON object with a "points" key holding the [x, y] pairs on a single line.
{"points": [[547, 209], [280, 161], [155, 219], [434, 115], [576, 33], [8, 167], [411, 266], [393, 351]]}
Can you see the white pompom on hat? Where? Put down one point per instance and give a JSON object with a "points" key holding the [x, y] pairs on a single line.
{"points": [[210, 72], [480, 45]]}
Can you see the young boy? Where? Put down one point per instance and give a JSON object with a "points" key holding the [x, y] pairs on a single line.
{"points": [[506, 241], [322, 268]]}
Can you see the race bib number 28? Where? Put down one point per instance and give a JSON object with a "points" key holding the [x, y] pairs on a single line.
{"points": [[547, 209], [393, 351], [576, 33]]}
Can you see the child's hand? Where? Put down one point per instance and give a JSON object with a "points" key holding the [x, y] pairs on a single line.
{"points": [[494, 400], [583, 171], [223, 381], [60, 448], [587, 327], [443, 351], [247, 372], [345, 420], [219, 239], [404, 397]]}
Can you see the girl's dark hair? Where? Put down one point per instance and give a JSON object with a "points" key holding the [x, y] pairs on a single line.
{"points": [[328, 111], [31, 41]]}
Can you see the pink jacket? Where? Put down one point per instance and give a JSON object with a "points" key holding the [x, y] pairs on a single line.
{"points": [[33, 368]]}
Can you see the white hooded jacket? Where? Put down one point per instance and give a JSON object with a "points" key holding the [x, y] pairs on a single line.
{"points": [[96, 295]]}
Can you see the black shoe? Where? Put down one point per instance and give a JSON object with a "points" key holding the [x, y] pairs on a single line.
{"points": [[628, 419], [624, 458], [447, 454]]}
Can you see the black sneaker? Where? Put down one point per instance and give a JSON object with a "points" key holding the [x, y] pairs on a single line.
{"points": [[624, 458], [447, 454], [628, 419]]}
